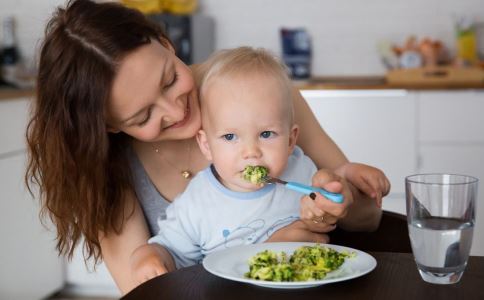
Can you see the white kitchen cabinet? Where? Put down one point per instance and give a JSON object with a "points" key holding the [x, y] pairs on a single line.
{"points": [[29, 265], [451, 117], [13, 120], [375, 127], [409, 132], [451, 140]]}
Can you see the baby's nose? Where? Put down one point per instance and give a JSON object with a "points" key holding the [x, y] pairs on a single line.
{"points": [[251, 151]]}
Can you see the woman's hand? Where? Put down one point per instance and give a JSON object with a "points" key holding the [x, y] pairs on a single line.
{"points": [[149, 261], [369, 180], [319, 213], [298, 231]]}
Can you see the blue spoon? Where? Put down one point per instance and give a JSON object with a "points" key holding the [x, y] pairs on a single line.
{"points": [[306, 189]]}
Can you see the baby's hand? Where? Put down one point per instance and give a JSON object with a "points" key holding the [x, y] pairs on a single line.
{"points": [[369, 180], [149, 261]]}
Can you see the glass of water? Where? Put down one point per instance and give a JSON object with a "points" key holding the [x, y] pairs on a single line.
{"points": [[441, 216]]}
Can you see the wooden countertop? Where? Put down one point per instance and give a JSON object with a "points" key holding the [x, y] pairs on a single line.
{"points": [[8, 93], [315, 83], [369, 83]]}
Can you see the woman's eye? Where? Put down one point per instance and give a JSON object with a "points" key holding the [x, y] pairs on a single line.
{"points": [[266, 134], [147, 118], [172, 82], [229, 137]]}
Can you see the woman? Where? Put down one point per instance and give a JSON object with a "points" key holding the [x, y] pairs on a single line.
{"points": [[111, 140]]}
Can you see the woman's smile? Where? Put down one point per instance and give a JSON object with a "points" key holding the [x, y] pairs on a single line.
{"points": [[186, 118]]}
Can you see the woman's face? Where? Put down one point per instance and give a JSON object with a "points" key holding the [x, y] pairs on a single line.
{"points": [[153, 97]]}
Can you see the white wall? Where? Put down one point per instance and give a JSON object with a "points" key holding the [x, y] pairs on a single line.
{"points": [[344, 32], [30, 17]]}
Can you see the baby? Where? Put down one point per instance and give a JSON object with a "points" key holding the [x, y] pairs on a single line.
{"points": [[247, 120]]}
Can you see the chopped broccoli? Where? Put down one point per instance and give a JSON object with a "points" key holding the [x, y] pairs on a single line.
{"points": [[306, 263], [255, 174]]}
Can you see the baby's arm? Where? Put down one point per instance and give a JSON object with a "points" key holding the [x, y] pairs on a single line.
{"points": [[298, 231], [154, 258], [367, 179], [149, 261]]}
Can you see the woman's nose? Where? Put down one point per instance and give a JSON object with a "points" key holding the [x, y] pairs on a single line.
{"points": [[172, 109]]}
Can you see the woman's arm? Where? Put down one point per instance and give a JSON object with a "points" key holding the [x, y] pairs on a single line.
{"points": [[359, 212], [117, 248], [313, 139]]}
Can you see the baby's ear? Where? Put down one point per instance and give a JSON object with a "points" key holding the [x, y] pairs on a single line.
{"points": [[293, 134], [203, 144]]}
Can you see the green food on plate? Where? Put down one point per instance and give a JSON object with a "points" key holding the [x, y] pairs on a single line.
{"points": [[305, 264], [255, 174]]}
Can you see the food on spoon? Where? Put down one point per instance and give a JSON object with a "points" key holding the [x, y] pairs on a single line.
{"points": [[255, 174], [305, 264]]}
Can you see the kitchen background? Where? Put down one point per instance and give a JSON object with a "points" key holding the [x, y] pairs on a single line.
{"points": [[344, 33], [399, 123]]}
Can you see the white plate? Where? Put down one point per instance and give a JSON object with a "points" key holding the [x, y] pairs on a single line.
{"points": [[233, 263]]}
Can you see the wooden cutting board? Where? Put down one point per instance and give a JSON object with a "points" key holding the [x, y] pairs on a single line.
{"points": [[441, 76]]}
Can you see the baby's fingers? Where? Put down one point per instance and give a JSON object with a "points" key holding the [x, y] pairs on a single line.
{"points": [[386, 186], [378, 187], [366, 186]]}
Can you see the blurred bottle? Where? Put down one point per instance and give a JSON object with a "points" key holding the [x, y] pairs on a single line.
{"points": [[296, 52], [466, 40], [10, 56]]}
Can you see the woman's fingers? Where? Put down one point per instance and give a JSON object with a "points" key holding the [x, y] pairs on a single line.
{"points": [[308, 208], [337, 210], [327, 180]]}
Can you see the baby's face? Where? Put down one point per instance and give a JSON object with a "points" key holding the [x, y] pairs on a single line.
{"points": [[246, 121]]}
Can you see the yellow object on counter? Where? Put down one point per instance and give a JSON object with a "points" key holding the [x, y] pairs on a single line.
{"points": [[179, 7], [145, 6], [467, 46], [466, 40]]}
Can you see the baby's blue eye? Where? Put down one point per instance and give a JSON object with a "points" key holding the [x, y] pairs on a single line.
{"points": [[229, 136], [266, 134]]}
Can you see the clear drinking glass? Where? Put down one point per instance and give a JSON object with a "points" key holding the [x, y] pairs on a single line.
{"points": [[441, 216]]}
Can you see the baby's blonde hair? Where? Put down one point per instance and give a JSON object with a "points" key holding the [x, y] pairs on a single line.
{"points": [[229, 63]]}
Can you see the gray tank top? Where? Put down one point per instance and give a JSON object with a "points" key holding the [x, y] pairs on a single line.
{"points": [[152, 203]]}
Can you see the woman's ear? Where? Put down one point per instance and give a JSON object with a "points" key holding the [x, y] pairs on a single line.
{"points": [[112, 129], [293, 134], [203, 144]]}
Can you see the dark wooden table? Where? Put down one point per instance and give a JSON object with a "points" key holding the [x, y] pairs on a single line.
{"points": [[395, 277]]}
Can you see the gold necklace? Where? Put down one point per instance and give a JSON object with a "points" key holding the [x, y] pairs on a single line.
{"points": [[186, 173]]}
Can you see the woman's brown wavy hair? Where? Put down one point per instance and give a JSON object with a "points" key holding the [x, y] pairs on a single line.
{"points": [[81, 170]]}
